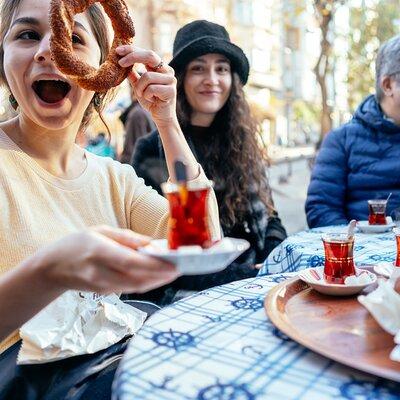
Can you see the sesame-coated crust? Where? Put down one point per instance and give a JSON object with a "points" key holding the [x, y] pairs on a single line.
{"points": [[110, 73]]}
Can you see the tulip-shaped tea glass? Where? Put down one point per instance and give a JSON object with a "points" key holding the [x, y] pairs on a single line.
{"points": [[339, 262], [396, 231], [377, 212], [188, 222]]}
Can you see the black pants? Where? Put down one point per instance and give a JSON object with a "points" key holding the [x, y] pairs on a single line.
{"points": [[85, 377]]}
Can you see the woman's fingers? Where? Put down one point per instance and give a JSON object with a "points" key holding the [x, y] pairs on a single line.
{"points": [[108, 252], [103, 259], [137, 280], [146, 281], [137, 261], [151, 78], [125, 237], [159, 92], [156, 89], [132, 55], [133, 76], [105, 280]]}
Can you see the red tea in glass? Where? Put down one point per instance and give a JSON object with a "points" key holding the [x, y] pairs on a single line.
{"points": [[339, 263], [397, 233], [188, 222], [377, 212]]}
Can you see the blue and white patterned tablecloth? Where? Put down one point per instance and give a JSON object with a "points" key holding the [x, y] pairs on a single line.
{"points": [[305, 250], [219, 345]]}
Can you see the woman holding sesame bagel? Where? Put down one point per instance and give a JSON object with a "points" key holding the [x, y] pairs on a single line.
{"points": [[53, 192]]}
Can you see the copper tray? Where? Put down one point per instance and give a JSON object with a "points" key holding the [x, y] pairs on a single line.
{"points": [[339, 328]]}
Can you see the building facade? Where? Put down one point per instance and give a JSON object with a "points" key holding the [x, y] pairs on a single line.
{"points": [[281, 39], [252, 25]]}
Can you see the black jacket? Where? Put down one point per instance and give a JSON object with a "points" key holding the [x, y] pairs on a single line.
{"points": [[262, 231], [137, 122]]}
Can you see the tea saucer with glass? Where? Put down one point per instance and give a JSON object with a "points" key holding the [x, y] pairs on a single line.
{"points": [[314, 277], [377, 222], [189, 245], [339, 276]]}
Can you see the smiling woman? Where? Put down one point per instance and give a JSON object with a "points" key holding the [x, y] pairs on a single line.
{"points": [[76, 219], [216, 120], [94, 28]]}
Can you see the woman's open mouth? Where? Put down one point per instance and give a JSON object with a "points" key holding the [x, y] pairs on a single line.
{"points": [[51, 91]]}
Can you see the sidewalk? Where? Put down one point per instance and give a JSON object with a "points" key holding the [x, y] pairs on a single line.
{"points": [[280, 154], [289, 182]]}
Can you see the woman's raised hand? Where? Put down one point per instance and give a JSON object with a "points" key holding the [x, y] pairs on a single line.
{"points": [[104, 260], [155, 89]]}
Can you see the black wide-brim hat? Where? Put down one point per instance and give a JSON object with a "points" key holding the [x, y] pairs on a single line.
{"points": [[203, 37]]}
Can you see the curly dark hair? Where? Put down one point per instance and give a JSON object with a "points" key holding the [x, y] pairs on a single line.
{"points": [[235, 160]]}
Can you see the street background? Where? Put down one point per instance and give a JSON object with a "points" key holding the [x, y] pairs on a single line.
{"points": [[289, 181], [312, 62]]}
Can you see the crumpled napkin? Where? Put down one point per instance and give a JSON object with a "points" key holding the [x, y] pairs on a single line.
{"points": [[363, 278], [384, 305], [77, 323]]}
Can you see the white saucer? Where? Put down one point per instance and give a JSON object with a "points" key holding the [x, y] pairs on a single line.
{"points": [[193, 260], [334, 289], [384, 269], [365, 227]]}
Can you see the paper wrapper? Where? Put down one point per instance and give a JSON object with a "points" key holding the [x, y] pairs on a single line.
{"points": [[384, 305], [77, 323]]}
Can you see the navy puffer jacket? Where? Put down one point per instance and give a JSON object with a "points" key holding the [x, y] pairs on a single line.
{"points": [[358, 161]]}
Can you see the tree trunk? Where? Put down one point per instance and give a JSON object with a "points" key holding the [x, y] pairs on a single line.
{"points": [[323, 66]]}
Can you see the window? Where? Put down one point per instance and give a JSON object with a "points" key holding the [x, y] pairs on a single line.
{"points": [[243, 12]]}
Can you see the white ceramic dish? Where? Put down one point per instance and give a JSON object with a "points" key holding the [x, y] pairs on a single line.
{"points": [[334, 289], [193, 260], [365, 227]]}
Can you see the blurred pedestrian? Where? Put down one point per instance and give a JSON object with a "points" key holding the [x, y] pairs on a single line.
{"points": [[360, 160], [137, 122], [101, 146], [216, 121]]}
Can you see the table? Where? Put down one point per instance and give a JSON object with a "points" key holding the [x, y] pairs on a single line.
{"points": [[305, 250], [219, 345]]}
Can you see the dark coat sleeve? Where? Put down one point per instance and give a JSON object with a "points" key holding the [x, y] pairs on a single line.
{"points": [[275, 235], [325, 204], [149, 162], [138, 123]]}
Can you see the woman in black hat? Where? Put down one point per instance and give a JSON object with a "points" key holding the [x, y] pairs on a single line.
{"points": [[215, 118]]}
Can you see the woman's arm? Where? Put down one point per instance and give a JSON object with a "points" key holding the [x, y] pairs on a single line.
{"points": [[156, 92], [23, 293], [102, 260]]}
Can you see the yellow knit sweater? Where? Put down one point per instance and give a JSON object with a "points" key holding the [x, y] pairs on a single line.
{"points": [[38, 208]]}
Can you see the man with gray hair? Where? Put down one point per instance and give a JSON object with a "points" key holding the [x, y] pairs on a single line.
{"points": [[387, 76], [360, 160]]}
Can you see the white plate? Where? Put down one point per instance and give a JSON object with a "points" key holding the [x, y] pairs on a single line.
{"points": [[365, 227], [193, 260], [384, 269], [334, 289]]}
